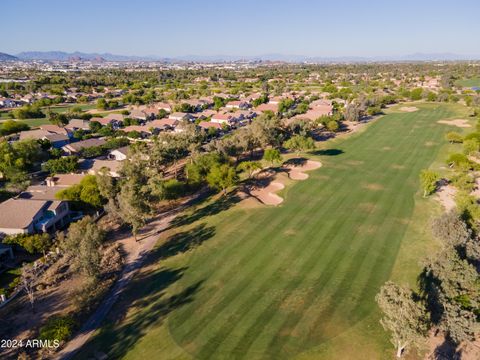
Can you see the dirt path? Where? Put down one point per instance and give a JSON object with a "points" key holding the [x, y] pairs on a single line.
{"points": [[137, 252]]}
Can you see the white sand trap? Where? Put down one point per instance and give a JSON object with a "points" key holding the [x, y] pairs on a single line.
{"points": [[408, 108], [461, 123], [446, 196], [298, 172], [267, 194]]}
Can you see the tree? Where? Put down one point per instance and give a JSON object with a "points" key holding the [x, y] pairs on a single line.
{"points": [[130, 207], [451, 229], [428, 180], [28, 283], [63, 165], [36, 243], [402, 316], [471, 146], [352, 113], [453, 137], [106, 184], [12, 126], [94, 126], [86, 191], [102, 104], [82, 244], [272, 156], [332, 126], [249, 167], [221, 177], [454, 295], [299, 143]]}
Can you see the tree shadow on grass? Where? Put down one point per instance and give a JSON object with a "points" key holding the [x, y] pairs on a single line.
{"points": [[299, 161], [327, 152], [149, 294], [182, 242], [219, 205]]}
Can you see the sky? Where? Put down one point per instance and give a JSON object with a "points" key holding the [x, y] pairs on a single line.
{"points": [[169, 28]]}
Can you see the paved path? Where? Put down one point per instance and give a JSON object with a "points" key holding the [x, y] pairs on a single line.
{"points": [[133, 262]]}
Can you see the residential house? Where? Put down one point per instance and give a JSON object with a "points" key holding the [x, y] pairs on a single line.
{"points": [[209, 124], [112, 166], [77, 147], [64, 180], [227, 119], [164, 106], [25, 216], [181, 116], [237, 104], [119, 154], [78, 124], [267, 107], [57, 140], [138, 114], [162, 124]]}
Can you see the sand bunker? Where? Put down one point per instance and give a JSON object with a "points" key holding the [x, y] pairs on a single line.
{"points": [[296, 172], [408, 108], [267, 194], [272, 183], [446, 197], [461, 123]]}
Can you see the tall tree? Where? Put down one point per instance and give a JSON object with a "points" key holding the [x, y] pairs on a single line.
{"points": [[402, 316], [82, 243]]}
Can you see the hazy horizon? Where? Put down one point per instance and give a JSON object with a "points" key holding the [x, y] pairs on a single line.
{"points": [[344, 28]]}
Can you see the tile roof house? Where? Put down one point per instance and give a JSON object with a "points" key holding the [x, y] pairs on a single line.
{"points": [[56, 129], [162, 124], [164, 106], [78, 146], [41, 192], [57, 140], [208, 124], [64, 180], [223, 119], [119, 154], [113, 167], [138, 114], [78, 124], [22, 216], [116, 117], [237, 104], [267, 107], [181, 116]]}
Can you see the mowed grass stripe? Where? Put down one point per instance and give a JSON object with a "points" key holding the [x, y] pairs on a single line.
{"points": [[262, 244], [224, 330], [278, 218], [262, 321]]}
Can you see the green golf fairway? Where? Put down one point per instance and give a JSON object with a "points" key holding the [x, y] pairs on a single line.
{"points": [[275, 282]]}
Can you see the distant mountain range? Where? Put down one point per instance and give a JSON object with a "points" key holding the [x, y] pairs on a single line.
{"points": [[7, 57], [65, 56]]}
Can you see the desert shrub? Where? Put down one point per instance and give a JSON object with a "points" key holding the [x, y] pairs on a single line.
{"points": [[58, 328]]}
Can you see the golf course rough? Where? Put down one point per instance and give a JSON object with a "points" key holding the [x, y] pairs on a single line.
{"points": [[278, 282]]}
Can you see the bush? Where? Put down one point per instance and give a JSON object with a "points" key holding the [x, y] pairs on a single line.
{"points": [[32, 243], [63, 165], [12, 126], [58, 328]]}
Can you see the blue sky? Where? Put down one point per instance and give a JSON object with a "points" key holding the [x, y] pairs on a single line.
{"points": [[249, 27]]}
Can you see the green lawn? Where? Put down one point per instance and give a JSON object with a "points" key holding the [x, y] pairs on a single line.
{"points": [[469, 82], [298, 280]]}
